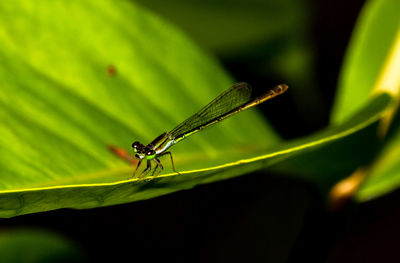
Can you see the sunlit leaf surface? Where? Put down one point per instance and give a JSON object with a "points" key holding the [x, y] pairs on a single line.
{"points": [[77, 76]]}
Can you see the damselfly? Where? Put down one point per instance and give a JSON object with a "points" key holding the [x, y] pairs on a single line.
{"points": [[236, 99]]}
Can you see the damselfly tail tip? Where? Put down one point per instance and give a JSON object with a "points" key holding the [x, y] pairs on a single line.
{"points": [[281, 88]]}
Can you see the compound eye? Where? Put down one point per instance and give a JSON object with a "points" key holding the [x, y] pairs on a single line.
{"points": [[135, 146]]}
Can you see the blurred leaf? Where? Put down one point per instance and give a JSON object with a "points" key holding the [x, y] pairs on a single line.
{"points": [[372, 65], [36, 246], [228, 27], [384, 176], [352, 144], [372, 40]]}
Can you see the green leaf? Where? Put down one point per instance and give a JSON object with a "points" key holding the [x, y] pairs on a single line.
{"points": [[335, 153], [78, 76], [384, 176], [372, 65], [61, 104], [372, 40]]}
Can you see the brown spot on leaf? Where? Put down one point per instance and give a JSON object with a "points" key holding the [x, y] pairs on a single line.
{"points": [[111, 71]]}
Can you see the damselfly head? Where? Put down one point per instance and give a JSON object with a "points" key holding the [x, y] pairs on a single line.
{"points": [[137, 147]]}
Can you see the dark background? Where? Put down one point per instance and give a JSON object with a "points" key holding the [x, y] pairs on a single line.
{"points": [[253, 218]]}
